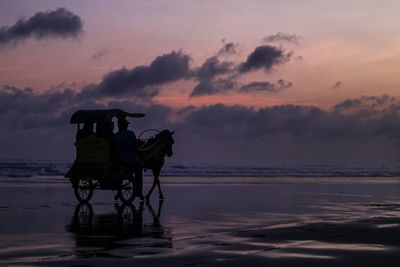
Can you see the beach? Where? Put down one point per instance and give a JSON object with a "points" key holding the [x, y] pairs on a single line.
{"points": [[229, 221], [272, 126]]}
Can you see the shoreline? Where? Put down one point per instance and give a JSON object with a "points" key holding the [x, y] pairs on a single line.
{"points": [[229, 180]]}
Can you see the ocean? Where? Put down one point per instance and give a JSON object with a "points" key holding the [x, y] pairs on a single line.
{"points": [[26, 169]]}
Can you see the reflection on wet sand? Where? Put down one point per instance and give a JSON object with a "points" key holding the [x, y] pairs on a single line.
{"points": [[213, 225], [122, 234]]}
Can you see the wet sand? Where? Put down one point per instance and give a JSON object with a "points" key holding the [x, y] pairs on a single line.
{"points": [[278, 222]]}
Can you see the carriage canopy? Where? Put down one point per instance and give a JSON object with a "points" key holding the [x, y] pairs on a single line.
{"points": [[101, 115]]}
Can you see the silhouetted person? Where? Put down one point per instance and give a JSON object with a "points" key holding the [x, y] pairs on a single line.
{"points": [[105, 130], [86, 130], [127, 154]]}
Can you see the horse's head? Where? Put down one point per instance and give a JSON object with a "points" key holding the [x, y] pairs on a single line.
{"points": [[166, 136]]}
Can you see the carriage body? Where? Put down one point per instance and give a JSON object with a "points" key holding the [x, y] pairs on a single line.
{"points": [[94, 166], [93, 160]]}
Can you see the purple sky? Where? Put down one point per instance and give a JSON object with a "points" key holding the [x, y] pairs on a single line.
{"points": [[244, 81]]}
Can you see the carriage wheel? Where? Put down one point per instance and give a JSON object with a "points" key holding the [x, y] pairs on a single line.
{"points": [[126, 191], [83, 190]]}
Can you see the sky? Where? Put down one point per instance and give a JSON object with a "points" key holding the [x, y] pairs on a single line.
{"points": [[240, 82]]}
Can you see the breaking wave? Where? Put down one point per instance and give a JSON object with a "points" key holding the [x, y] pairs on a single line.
{"points": [[13, 168]]}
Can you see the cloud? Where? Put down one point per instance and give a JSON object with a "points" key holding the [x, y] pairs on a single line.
{"points": [[26, 108], [60, 23], [228, 48], [142, 81], [368, 132], [100, 53], [36, 125], [213, 76], [213, 67], [360, 130], [28, 100], [264, 57], [266, 86], [354, 121], [207, 76], [230, 84], [362, 117], [338, 84], [369, 106], [282, 37], [216, 76], [210, 87]]}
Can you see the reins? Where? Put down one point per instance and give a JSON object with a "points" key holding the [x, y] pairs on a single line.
{"points": [[147, 130], [158, 144], [142, 148]]}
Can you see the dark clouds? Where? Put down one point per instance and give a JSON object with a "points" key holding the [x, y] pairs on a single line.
{"points": [[266, 86], [24, 108], [215, 86], [213, 67], [43, 118], [361, 130], [359, 118], [207, 76], [282, 37], [369, 106], [357, 131], [142, 81], [28, 101], [264, 57], [216, 76], [36, 125], [60, 23]]}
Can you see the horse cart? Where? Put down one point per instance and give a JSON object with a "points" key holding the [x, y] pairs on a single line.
{"points": [[94, 166]]}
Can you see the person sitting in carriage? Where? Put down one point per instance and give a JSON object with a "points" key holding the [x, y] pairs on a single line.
{"points": [[127, 153], [86, 130], [105, 130]]}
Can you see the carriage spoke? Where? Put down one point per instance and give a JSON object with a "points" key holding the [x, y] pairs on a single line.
{"points": [[84, 190], [126, 191]]}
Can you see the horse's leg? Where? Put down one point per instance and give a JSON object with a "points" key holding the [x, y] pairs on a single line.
{"points": [[152, 187], [157, 179]]}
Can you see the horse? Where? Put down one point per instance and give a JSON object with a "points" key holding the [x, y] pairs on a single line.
{"points": [[152, 153]]}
